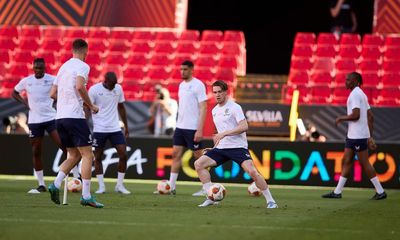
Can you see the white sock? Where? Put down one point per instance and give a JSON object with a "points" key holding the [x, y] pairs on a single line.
{"points": [[340, 185], [206, 186], [39, 176], [100, 179], [60, 177], [75, 172], [86, 188], [120, 178], [377, 185], [172, 180], [268, 196]]}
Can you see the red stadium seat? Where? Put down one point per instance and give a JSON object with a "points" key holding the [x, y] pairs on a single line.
{"points": [[23, 56], [116, 59], [349, 51], [48, 57], [340, 95], [298, 78], [141, 47], [30, 31], [205, 74], [132, 90], [388, 97], [301, 64], [392, 40], [206, 61], [176, 75], [304, 38], [98, 45], [288, 93], [350, 39], [165, 47], [392, 53], [369, 65], [4, 56], [120, 46], [143, 35], [303, 51], [19, 70], [98, 33], [52, 44], [190, 35], [9, 31], [390, 80], [7, 43], [326, 51], [121, 33], [371, 52], [95, 75], [391, 65], [138, 58], [93, 59], [73, 32], [160, 60], [234, 36], [348, 65], [370, 79], [324, 64], [134, 74], [225, 74], [372, 40], [166, 36], [231, 48], [340, 78], [228, 61], [28, 44], [321, 78], [180, 58], [327, 38], [187, 47], [209, 48], [320, 95], [52, 32], [212, 35]]}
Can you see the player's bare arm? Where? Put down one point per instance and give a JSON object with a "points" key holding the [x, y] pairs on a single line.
{"points": [[354, 116], [53, 92], [371, 142], [241, 128], [198, 136], [80, 86], [122, 113], [19, 98]]}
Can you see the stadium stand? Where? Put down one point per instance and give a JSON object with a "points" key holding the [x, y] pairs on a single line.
{"points": [[137, 55]]}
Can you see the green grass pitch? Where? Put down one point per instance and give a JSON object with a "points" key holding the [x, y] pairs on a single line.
{"points": [[302, 214]]}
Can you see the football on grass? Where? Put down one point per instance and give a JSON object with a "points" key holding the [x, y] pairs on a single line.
{"points": [[216, 192], [164, 187], [74, 185]]}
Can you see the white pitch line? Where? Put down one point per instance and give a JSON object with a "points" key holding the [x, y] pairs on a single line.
{"points": [[179, 225]]}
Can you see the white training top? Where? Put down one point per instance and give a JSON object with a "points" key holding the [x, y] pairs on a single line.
{"points": [[227, 118], [358, 129], [39, 101], [190, 95], [107, 119], [69, 101]]}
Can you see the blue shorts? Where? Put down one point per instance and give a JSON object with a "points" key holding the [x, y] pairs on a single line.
{"points": [[357, 145], [74, 132], [238, 155], [100, 139], [37, 129], [185, 137]]}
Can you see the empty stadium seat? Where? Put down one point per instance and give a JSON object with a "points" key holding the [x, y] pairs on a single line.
{"points": [[187, 47], [392, 40], [340, 95], [98, 33], [326, 51], [23, 56], [303, 51], [52, 44], [288, 93], [388, 97], [138, 58], [304, 38], [206, 61], [391, 65], [134, 74], [212, 35], [190, 35], [209, 48], [390, 80], [320, 95], [301, 64], [372, 40], [323, 64], [141, 46], [231, 48], [298, 78], [180, 58], [371, 52], [9, 31], [165, 47], [73, 32], [369, 65], [349, 51], [30, 31], [327, 39], [234, 36], [158, 74], [143, 35], [225, 74], [28, 44], [121, 33], [115, 59], [48, 57], [7, 43], [18, 71], [160, 60], [392, 53], [370, 79], [93, 59], [166, 36], [348, 65], [205, 74], [52, 32], [350, 39], [321, 78], [121, 46], [4, 56], [132, 90], [340, 78]]}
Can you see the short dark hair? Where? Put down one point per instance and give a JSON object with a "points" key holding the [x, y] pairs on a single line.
{"points": [[357, 77], [110, 76], [221, 84], [79, 44], [188, 63], [38, 60]]}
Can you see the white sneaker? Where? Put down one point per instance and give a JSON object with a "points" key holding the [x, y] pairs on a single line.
{"points": [[272, 205], [200, 193], [207, 203], [33, 191], [121, 189], [100, 191]]}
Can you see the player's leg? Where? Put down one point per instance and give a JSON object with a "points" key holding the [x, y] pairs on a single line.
{"points": [[36, 144], [99, 140], [211, 159], [370, 172], [177, 152], [249, 168], [121, 151], [347, 162]]}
